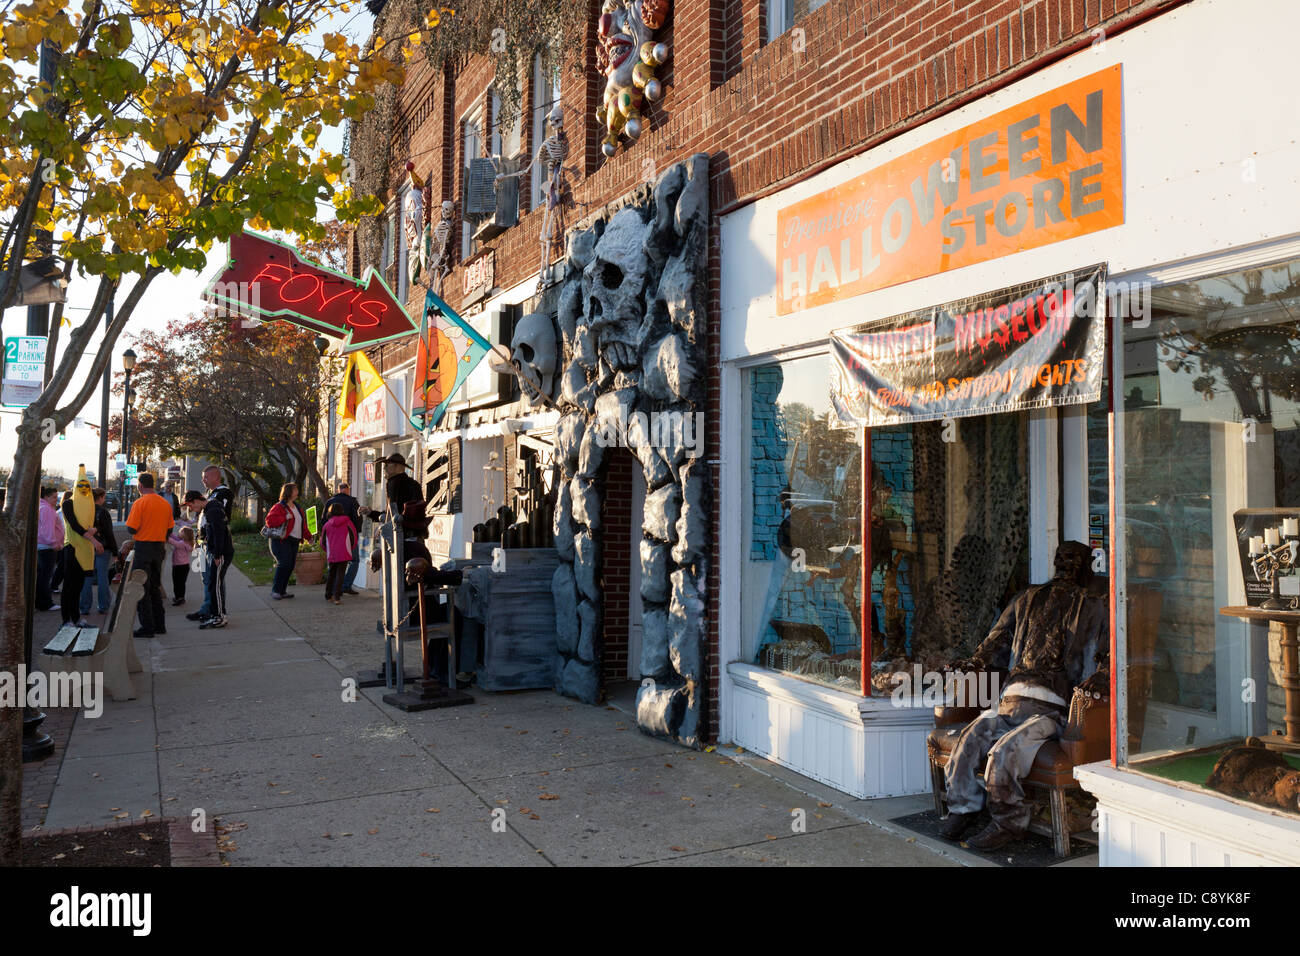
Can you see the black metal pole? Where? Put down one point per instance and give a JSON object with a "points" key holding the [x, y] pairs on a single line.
{"points": [[126, 438], [103, 405]]}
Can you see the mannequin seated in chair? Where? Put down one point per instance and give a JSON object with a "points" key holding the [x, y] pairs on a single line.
{"points": [[1043, 638]]}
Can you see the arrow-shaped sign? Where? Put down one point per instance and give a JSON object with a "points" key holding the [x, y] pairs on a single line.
{"points": [[264, 278]]}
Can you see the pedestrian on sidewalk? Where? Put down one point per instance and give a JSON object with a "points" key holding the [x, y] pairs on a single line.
{"points": [[169, 496], [103, 560], [149, 522], [79, 552], [56, 579], [285, 514], [49, 547], [219, 552], [182, 549], [214, 482], [340, 538], [351, 508]]}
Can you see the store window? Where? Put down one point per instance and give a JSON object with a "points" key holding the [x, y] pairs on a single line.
{"points": [[949, 542], [1211, 425], [403, 250], [784, 14]]}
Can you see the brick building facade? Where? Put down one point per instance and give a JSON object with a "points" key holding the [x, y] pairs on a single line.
{"points": [[771, 102]]}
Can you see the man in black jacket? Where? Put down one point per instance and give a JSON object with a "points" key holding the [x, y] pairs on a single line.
{"points": [[352, 508], [400, 487], [214, 481], [220, 551]]}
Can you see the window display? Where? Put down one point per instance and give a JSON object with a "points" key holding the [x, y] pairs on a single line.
{"points": [[949, 533], [1211, 429]]}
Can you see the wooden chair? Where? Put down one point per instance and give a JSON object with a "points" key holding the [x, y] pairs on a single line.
{"points": [[1086, 735], [1085, 738]]}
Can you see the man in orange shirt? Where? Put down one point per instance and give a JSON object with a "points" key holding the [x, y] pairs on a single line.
{"points": [[149, 522]]}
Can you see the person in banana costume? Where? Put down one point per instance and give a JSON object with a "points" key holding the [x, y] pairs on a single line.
{"points": [[81, 545]]}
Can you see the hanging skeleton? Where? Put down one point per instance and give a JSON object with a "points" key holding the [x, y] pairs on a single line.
{"points": [[553, 151]]}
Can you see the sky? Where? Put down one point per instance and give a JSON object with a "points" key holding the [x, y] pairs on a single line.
{"points": [[169, 297]]}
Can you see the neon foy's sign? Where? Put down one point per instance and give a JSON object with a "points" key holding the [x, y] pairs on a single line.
{"points": [[265, 279]]}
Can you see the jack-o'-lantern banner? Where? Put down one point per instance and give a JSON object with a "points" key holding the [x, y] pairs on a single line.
{"points": [[1034, 345], [448, 351]]}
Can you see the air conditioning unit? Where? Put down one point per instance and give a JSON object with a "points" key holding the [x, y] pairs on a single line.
{"points": [[499, 205]]}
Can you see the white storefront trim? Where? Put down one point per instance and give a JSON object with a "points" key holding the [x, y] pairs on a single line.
{"points": [[1149, 822], [865, 746]]}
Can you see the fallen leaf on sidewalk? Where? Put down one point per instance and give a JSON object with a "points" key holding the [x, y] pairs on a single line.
{"points": [[533, 816], [120, 816], [433, 810], [678, 849], [373, 832], [769, 837], [146, 813], [548, 796], [318, 755]]}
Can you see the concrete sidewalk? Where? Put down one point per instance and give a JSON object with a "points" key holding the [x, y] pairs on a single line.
{"points": [[250, 725]]}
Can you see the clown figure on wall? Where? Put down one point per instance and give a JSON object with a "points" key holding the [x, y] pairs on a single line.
{"points": [[628, 56]]}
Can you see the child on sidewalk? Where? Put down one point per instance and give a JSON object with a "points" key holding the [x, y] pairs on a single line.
{"points": [[182, 547], [340, 538]]}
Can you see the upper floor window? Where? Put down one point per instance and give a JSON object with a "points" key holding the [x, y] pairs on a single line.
{"points": [[784, 14], [472, 127]]}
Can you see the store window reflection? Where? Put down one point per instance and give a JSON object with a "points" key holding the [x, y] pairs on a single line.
{"points": [[1211, 401], [949, 533]]}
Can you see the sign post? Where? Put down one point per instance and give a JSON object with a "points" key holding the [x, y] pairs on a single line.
{"points": [[24, 370]]}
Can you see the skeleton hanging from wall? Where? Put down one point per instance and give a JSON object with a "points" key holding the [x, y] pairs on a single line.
{"points": [[440, 255], [553, 151]]}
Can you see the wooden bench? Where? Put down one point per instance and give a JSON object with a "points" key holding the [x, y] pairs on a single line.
{"points": [[111, 650]]}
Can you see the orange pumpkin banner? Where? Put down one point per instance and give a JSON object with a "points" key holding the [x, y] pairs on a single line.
{"points": [[1045, 170], [448, 350]]}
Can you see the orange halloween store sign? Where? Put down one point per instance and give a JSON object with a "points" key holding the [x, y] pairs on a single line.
{"points": [[1048, 169]]}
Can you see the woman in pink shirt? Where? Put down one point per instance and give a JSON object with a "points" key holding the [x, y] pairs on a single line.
{"points": [[340, 537], [182, 547]]}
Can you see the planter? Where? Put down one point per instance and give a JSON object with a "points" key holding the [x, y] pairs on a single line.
{"points": [[310, 568]]}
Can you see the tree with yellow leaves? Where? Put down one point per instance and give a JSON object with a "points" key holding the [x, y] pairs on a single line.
{"points": [[168, 126]]}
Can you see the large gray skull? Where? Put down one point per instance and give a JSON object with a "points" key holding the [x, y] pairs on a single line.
{"points": [[533, 353], [613, 285]]}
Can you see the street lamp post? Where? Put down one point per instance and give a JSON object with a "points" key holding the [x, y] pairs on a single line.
{"points": [[128, 363]]}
